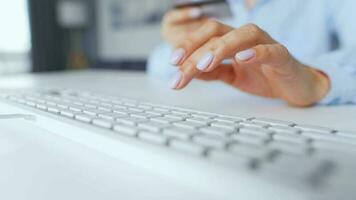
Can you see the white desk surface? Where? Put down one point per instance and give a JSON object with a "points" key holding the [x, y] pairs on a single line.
{"points": [[212, 97]]}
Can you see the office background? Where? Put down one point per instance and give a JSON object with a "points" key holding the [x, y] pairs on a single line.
{"points": [[51, 35]]}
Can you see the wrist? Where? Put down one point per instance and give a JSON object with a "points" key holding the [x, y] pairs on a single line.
{"points": [[322, 84], [312, 86]]}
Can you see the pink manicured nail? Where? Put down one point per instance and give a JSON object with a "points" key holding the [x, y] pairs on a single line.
{"points": [[175, 80], [177, 56], [205, 61], [195, 13], [245, 55]]}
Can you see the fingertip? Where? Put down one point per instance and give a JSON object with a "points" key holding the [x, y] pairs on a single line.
{"points": [[205, 62], [246, 55], [187, 75], [176, 80], [195, 13], [177, 56]]}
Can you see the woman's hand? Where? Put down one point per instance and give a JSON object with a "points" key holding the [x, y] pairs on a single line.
{"points": [[178, 25], [260, 65]]}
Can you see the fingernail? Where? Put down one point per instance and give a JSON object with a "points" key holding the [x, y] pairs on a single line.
{"points": [[195, 13], [205, 61], [175, 80], [177, 56], [245, 55]]}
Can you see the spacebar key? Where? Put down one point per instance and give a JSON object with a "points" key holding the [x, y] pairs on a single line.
{"points": [[187, 147], [232, 160]]}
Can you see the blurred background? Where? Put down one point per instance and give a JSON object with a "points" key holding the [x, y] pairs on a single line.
{"points": [[53, 35]]}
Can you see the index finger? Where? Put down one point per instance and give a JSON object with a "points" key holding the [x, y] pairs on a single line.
{"points": [[212, 53]]}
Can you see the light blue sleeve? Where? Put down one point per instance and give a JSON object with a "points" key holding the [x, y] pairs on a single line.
{"points": [[340, 65]]}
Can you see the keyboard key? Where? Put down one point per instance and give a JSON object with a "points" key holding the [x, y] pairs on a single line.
{"points": [[153, 126], [113, 100], [78, 103], [83, 117], [332, 146], [30, 98], [69, 113], [284, 129], [104, 123], [112, 116], [177, 116], [153, 137], [165, 120], [93, 112], [255, 131], [105, 103], [63, 105], [146, 107], [200, 120], [156, 112], [41, 106], [178, 112], [122, 111], [135, 109], [228, 119], [132, 121], [180, 133], [188, 125], [252, 151], [329, 137], [21, 101], [144, 115], [31, 103], [40, 101], [225, 125], [119, 107], [209, 141], [215, 131], [292, 138], [290, 148], [53, 109], [203, 116], [314, 128], [160, 109], [125, 129], [130, 103], [251, 139], [92, 106], [187, 147], [75, 108], [152, 105], [50, 103], [348, 134], [273, 122], [254, 124]]}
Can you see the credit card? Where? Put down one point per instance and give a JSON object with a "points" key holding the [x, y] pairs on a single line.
{"points": [[186, 4], [212, 8]]}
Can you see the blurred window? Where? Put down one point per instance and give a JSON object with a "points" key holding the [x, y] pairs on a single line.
{"points": [[15, 41]]}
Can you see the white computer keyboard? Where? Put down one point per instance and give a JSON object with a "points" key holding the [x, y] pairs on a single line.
{"points": [[250, 142]]}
